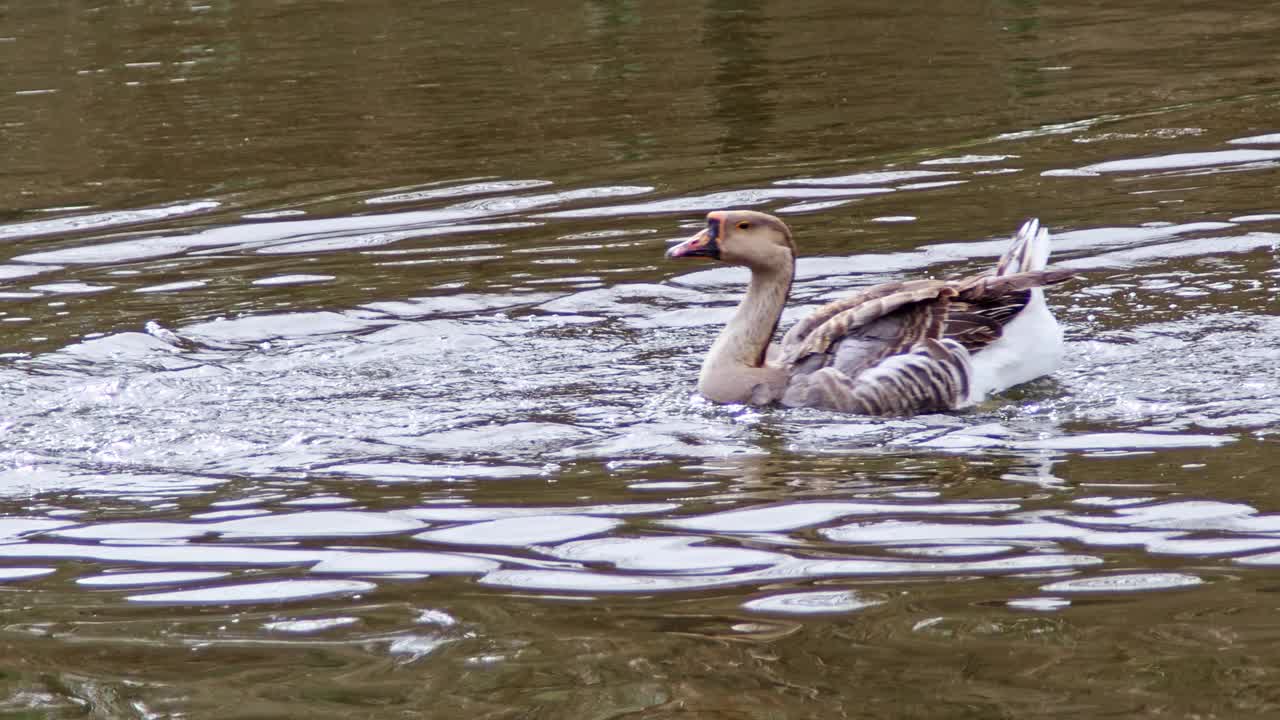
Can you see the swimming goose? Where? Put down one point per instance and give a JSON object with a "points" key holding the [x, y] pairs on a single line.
{"points": [[898, 348]]}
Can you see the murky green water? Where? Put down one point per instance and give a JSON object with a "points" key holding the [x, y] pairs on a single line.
{"points": [[341, 375]]}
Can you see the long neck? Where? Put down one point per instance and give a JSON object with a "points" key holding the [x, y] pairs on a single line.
{"points": [[743, 343]]}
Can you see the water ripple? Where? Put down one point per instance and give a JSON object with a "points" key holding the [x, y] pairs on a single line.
{"points": [[235, 442], [792, 516], [521, 531], [1128, 582], [132, 579], [103, 220], [810, 603], [277, 591]]}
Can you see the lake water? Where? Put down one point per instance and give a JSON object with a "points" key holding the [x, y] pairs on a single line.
{"points": [[341, 373]]}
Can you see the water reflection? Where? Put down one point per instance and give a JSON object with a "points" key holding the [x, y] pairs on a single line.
{"points": [[338, 363], [737, 34]]}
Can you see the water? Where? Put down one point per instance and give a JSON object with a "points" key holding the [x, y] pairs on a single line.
{"points": [[341, 374]]}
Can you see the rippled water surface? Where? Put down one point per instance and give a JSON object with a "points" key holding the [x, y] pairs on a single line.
{"points": [[341, 374]]}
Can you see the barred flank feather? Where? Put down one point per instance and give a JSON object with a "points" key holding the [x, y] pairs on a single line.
{"points": [[932, 377]]}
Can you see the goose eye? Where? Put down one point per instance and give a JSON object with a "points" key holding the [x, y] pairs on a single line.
{"points": [[744, 225]]}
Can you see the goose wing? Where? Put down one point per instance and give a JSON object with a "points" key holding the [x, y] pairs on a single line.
{"points": [[908, 347], [865, 327], [902, 348], [878, 352], [984, 304]]}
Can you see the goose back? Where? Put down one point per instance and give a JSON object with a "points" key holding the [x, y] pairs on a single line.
{"points": [[905, 347]]}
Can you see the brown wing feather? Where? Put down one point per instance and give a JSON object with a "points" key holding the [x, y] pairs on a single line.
{"points": [[855, 316], [970, 326], [984, 304], [990, 300], [990, 287], [803, 329]]}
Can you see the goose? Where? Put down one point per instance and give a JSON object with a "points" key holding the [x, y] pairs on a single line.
{"points": [[898, 348]]}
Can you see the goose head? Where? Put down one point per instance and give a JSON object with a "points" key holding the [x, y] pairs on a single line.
{"points": [[741, 237]]}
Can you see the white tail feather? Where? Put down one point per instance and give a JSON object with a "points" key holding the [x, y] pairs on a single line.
{"points": [[1029, 251], [1031, 345]]}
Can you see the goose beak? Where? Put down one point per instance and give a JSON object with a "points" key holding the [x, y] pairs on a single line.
{"points": [[701, 245]]}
